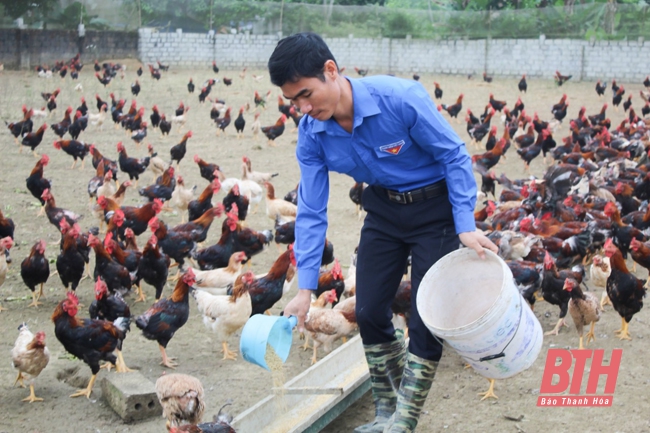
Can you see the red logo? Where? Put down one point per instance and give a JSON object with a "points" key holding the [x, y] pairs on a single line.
{"points": [[590, 396], [393, 148]]}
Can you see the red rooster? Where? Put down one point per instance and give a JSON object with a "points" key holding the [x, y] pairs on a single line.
{"points": [[166, 316], [115, 275], [209, 171], [76, 149], [223, 122], [62, 127], [37, 184], [35, 270], [89, 340], [624, 289], [33, 139], [178, 152], [331, 280], [266, 291], [153, 268], [56, 214], [132, 166], [197, 207], [274, 131], [454, 109], [70, 263]]}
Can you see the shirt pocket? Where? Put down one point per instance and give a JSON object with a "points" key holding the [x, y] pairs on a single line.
{"points": [[393, 150]]}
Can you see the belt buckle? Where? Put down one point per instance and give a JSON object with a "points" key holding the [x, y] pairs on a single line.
{"points": [[408, 197]]}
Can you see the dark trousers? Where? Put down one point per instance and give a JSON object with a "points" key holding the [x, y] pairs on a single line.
{"points": [[390, 231]]}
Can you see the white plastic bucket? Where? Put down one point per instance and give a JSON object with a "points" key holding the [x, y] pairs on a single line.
{"points": [[475, 306]]}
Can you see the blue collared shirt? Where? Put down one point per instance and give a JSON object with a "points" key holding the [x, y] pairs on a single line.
{"points": [[399, 141]]}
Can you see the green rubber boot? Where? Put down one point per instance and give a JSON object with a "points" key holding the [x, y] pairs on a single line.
{"points": [[386, 364], [412, 393]]}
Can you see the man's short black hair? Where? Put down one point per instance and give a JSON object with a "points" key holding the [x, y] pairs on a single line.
{"points": [[302, 55]]}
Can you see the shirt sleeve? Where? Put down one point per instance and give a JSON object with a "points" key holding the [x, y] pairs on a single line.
{"points": [[433, 133], [311, 220]]}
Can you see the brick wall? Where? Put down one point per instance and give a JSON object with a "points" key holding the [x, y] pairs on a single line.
{"points": [[625, 60], [28, 48]]}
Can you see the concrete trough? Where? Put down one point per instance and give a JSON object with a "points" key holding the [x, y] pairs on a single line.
{"points": [[314, 398]]}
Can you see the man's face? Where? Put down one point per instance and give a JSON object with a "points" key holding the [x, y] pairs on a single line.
{"points": [[314, 97]]}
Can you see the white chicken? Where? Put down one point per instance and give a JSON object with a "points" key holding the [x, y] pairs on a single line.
{"points": [[99, 118], [29, 356], [325, 326], [599, 273], [351, 278], [215, 281], [255, 176], [226, 314], [79, 88], [180, 120], [250, 189], [257, 126], [39, 113], [157, 165], [181, 197], [181, 397], [275, 207]]}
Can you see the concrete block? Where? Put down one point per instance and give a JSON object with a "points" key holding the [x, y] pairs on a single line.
{"points": [[132, 396]]}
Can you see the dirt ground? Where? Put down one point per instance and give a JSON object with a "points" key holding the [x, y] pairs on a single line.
{"points": [[453, 404]]}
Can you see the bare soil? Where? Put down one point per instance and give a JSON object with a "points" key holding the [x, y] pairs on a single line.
{"points": [[453, 404]]}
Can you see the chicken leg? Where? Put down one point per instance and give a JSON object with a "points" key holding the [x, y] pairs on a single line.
{"points": [[35, 302], [556, 330], [490, 392], [141, 296], [19, 378], [89, 389], [2, 308], [120, 366], [32, 397], [623, 333], [590, 335], [604, 300], [167, 361], [227, 354]]}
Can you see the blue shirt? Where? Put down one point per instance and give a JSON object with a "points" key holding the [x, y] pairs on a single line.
{"points": [[399, 141]]}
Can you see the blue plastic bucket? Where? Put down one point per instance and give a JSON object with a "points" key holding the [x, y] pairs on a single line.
{"points": [[261, 331]]}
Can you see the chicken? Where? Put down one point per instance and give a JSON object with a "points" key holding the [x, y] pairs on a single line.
{"points": [[553, 288], [257, 126], [198, 207], [62, 127], [18, 129], [7, 228], [79, 124], [76, 149], [35, 270], [274, 131], [165, 125], [327, 325], [221, 277], [497, 105], [155, 73], [583, 308], [156, 164], [162, 189], [152, 268], [268, 290], [561, 79], [523, 85], [116, 275], [277, 207], [235, 198], [361, 72], [37, 184], [218, 255], [70, 263], [640, 253], [621, 232], [180, 119], [5, 244], [99, 118], [89, 340], [29, 356], [209, 171], [33, 139], [223, 122], [226, 314], [190, 86], [178, 152], [252, 190], [331, 280], [598, 274], [487, 78], [181, 197], [255, 176], [454, 109], [248, 240], [177, 245], [240, 123], [166, 316], [137, 219], [55, 214], [259, 100], [528, 279], [181, 397], [198, 228], [624, 289]]}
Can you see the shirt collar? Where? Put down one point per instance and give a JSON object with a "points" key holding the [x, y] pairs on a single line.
{"points": [[364, 106]]}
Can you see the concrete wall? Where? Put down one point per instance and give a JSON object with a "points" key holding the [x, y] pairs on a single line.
{"points": [[625, 60], [29, 48]]}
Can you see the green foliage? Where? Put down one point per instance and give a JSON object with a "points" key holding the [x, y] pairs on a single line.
{"points": [[70, 17], [397, 25]]}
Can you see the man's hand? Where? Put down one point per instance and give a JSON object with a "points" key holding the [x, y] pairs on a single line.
{"points": [[299, 306], [476, 240]]}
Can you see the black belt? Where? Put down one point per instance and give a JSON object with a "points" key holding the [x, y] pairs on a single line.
{"points": [[426, 192]]}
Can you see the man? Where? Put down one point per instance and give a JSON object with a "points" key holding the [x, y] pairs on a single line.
{"points": [[384, 131]]}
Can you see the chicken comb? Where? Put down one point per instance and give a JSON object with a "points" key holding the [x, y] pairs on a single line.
{"points": [[72, 297], [234, 211], [108, 239], [608, 243], [152, 223]]}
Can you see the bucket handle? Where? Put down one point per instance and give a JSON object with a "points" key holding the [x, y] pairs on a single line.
{"points": [[496, 355]]}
